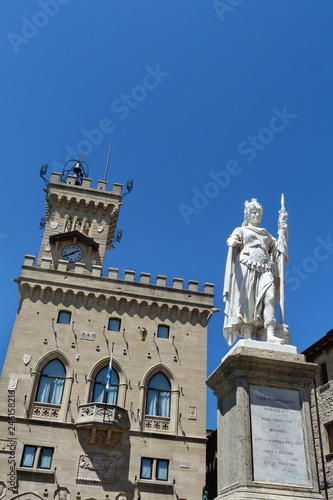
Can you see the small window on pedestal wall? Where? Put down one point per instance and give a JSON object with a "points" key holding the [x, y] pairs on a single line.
{"points": [[163, 331], [114, 324], [323, 374], [329, 430], [64, 317]]}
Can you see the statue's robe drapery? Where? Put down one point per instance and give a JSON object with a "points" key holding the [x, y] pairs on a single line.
{"points": [[253, 266]]}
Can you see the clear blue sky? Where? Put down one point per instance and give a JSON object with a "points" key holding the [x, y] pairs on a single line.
{"points": [[207, 105]]}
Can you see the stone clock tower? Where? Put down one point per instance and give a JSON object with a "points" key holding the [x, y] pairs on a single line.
{"points": [[103, 394], [80, 222]]}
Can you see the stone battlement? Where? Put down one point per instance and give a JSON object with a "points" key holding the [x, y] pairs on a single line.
{"points": [[86, 183], [128, 276]]}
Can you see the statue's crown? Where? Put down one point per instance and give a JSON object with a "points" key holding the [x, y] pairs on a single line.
{"points": [[249, 205]]}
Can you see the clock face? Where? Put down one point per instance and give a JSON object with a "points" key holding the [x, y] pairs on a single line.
{"points": [[72, 253]]}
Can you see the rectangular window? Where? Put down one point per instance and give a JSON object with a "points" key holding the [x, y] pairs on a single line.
{"points": [[162, 468], [28, 456], [329, 430], [114, 324], [146, 468], [37, 457], [154, 469], [323, 374], [163, 331], [45, 458], [64, 317]]}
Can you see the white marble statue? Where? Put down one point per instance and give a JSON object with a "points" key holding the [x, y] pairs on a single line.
{"points": [[254, 277]]}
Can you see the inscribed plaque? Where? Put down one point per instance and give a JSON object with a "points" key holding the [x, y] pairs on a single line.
{"points": [[277, 436], [87, 335]]}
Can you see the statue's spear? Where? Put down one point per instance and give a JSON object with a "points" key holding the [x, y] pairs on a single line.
{"points": [[282, 234]]}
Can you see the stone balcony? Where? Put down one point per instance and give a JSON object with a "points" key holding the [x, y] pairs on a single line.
{"points": [[111, 421], [101, 415]]}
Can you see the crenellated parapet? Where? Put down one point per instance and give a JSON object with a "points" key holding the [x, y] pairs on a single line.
{"points": [[68, 196], [127, 293]]}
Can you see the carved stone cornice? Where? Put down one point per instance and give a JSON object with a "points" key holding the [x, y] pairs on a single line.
{"points": [[84, 198], [143, 296], [116, 301]]}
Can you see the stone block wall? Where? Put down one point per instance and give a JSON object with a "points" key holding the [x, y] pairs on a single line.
{"points": [[322, 410]]}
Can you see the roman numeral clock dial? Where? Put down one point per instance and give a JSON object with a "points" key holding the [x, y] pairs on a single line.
{"points": [[72, 253]]}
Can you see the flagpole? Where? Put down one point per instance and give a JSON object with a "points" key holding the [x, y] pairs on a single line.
{"points": [[108, 385], [107, 161], [105, 399]]}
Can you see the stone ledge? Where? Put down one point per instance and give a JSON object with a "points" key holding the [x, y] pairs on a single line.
{"points": [[154, 483], [49, 472], [266, 493], [247, 359], [256, 344]]}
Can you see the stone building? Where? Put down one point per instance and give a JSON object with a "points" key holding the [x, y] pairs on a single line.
{"points": [[103, 390], [321, 352], [211, 465]]}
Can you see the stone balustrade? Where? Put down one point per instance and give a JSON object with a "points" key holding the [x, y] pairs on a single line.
{"points": [[45, 410], [100, 414], [154, 423]]}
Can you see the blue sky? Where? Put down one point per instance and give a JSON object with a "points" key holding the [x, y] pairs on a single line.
{"points": [[208, 104]]}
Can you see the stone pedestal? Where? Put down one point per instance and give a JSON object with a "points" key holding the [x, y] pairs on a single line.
{"points": [[265, 444]]}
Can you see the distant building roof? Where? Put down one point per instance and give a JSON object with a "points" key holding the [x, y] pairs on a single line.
{"points": [[315, 349]]}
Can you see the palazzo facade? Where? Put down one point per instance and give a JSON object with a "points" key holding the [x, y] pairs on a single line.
{"points": [[103, 390]]}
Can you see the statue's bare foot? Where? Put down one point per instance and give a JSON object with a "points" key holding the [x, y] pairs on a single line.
{"points": [[275, 340]]}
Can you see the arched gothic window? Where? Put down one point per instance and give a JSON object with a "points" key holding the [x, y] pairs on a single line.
{"points": [[158, 396], [51, 383], [100, 394]]}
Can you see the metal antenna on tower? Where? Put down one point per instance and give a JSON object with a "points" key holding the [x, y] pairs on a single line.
{"points": [[107, 161]]}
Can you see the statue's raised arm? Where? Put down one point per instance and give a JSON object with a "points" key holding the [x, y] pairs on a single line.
{"points": [[254, 277]]}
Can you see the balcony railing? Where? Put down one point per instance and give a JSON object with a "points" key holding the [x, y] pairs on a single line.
{"points": [[101, 415], [45, 410], [154, 423]]}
